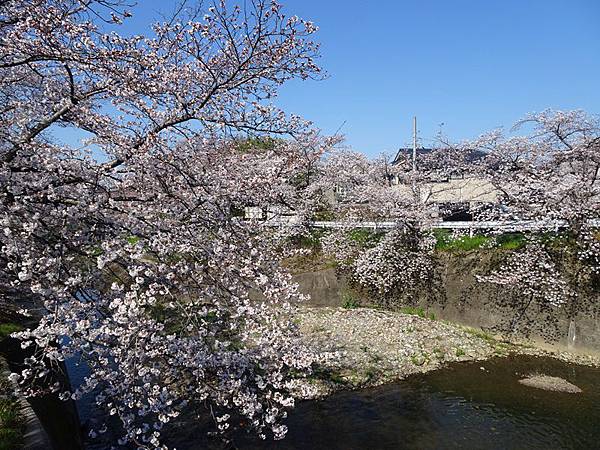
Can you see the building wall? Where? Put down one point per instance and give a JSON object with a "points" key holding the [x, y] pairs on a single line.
{"points": [[463, 190]]}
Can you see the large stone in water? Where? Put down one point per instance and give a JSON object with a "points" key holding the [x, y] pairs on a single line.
{"points": [[549, 383]]}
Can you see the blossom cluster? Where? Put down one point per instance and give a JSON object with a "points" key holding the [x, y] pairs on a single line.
{"points": [[131, 250]]}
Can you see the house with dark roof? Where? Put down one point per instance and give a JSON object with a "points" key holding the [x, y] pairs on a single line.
{"points": [[405, 155], [456, 191]]}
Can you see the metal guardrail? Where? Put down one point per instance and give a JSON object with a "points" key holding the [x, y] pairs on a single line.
{"points": [[465, 225]]}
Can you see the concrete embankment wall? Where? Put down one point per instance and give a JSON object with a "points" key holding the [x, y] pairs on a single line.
{"points": [[469, 302], [51, 423]]}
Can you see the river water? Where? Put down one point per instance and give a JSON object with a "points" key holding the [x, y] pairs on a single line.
{"points": [[477, 405]]}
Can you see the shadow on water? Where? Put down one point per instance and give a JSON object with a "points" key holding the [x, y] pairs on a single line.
{"points": [[460, 407]]}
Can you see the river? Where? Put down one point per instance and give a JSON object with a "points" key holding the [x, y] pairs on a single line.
{"points": [[476, 405]]}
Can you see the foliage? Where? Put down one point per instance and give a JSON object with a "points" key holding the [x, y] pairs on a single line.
{"points": [[133, 245], [421, 359], [324, 214], [446, 241], [349, 301], [310, 240], [256, 144], [417, 311], [481, 334], [364, 237], [6, 329], [130, 244], [511, 241], [11, 425]]}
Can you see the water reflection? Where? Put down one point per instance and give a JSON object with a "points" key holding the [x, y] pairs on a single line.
{"points": [[461, 407]]}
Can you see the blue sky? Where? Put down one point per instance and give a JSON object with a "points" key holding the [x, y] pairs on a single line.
{"points": [[472, 65]]}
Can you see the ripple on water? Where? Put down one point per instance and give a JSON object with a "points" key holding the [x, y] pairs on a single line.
{"points": [[459, 407]]}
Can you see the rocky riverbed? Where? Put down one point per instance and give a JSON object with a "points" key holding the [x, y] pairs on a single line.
{"points": [[369, 347]]}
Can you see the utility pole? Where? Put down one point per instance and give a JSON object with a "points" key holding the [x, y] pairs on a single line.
{"points": [[416, 193], [414, 155]]}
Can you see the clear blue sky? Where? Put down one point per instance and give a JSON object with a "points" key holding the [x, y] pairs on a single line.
{"points": [[472, 65]]}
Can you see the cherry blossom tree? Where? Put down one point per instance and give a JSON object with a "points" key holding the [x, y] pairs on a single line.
{"points": [[551, 173], [551, 176], [401, 264], [400, 267], [532, 282], [130, 246]]}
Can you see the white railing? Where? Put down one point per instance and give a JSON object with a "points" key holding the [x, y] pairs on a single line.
{"points": [[519, 225], [464, 225]]}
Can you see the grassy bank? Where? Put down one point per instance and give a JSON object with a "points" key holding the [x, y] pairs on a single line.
{"points": [[445, 241], [12, 424]]}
